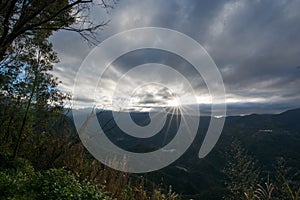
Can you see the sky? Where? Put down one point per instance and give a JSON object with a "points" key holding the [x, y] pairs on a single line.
{"points": [[254, 44]]}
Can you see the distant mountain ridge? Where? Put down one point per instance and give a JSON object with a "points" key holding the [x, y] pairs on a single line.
{"points": [[266, 136]]}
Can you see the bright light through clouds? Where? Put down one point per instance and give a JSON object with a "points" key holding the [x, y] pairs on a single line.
{"points": [[174, 102], [151, 95], [256, 53]]}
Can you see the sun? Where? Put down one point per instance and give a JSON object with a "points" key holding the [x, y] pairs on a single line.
{"points": [[174, 102]]}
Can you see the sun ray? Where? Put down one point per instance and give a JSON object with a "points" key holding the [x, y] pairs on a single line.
{"points": [[182, 116], [170, 121]]}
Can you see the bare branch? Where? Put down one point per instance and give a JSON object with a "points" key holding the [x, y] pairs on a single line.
{"points": [[22, 17]]}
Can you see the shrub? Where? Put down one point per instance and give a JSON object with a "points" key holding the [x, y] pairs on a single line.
{"points": [[18, 180]]}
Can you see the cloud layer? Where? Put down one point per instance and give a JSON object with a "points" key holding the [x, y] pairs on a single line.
{"points": [[255, 44]]}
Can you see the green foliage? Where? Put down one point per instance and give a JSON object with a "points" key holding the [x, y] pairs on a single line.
{"points": [[244, 178], [30, 89], [31, 106], [241, 171], [60, 184], [170, 195], [287, 180], [13, 165], [18, 180]]}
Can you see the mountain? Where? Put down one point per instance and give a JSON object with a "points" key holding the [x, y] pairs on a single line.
{"points": [[265, 136]]}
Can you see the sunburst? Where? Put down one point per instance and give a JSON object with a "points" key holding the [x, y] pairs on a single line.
{"points": [[175, 102]]}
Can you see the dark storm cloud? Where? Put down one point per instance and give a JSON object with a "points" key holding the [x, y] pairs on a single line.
{"points": [[135, 58], [255, 44], [258, 50]]}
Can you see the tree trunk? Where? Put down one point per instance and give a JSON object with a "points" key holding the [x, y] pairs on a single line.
{"points": [[17, 147]]}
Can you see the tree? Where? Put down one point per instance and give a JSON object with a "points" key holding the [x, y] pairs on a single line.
{"points": [[287, 180], [241, 171], [29, 94], [32, 90], [24, 18], [244, 177]]}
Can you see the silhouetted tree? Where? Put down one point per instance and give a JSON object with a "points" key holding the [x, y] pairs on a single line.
{"points": [[21, 19]]}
